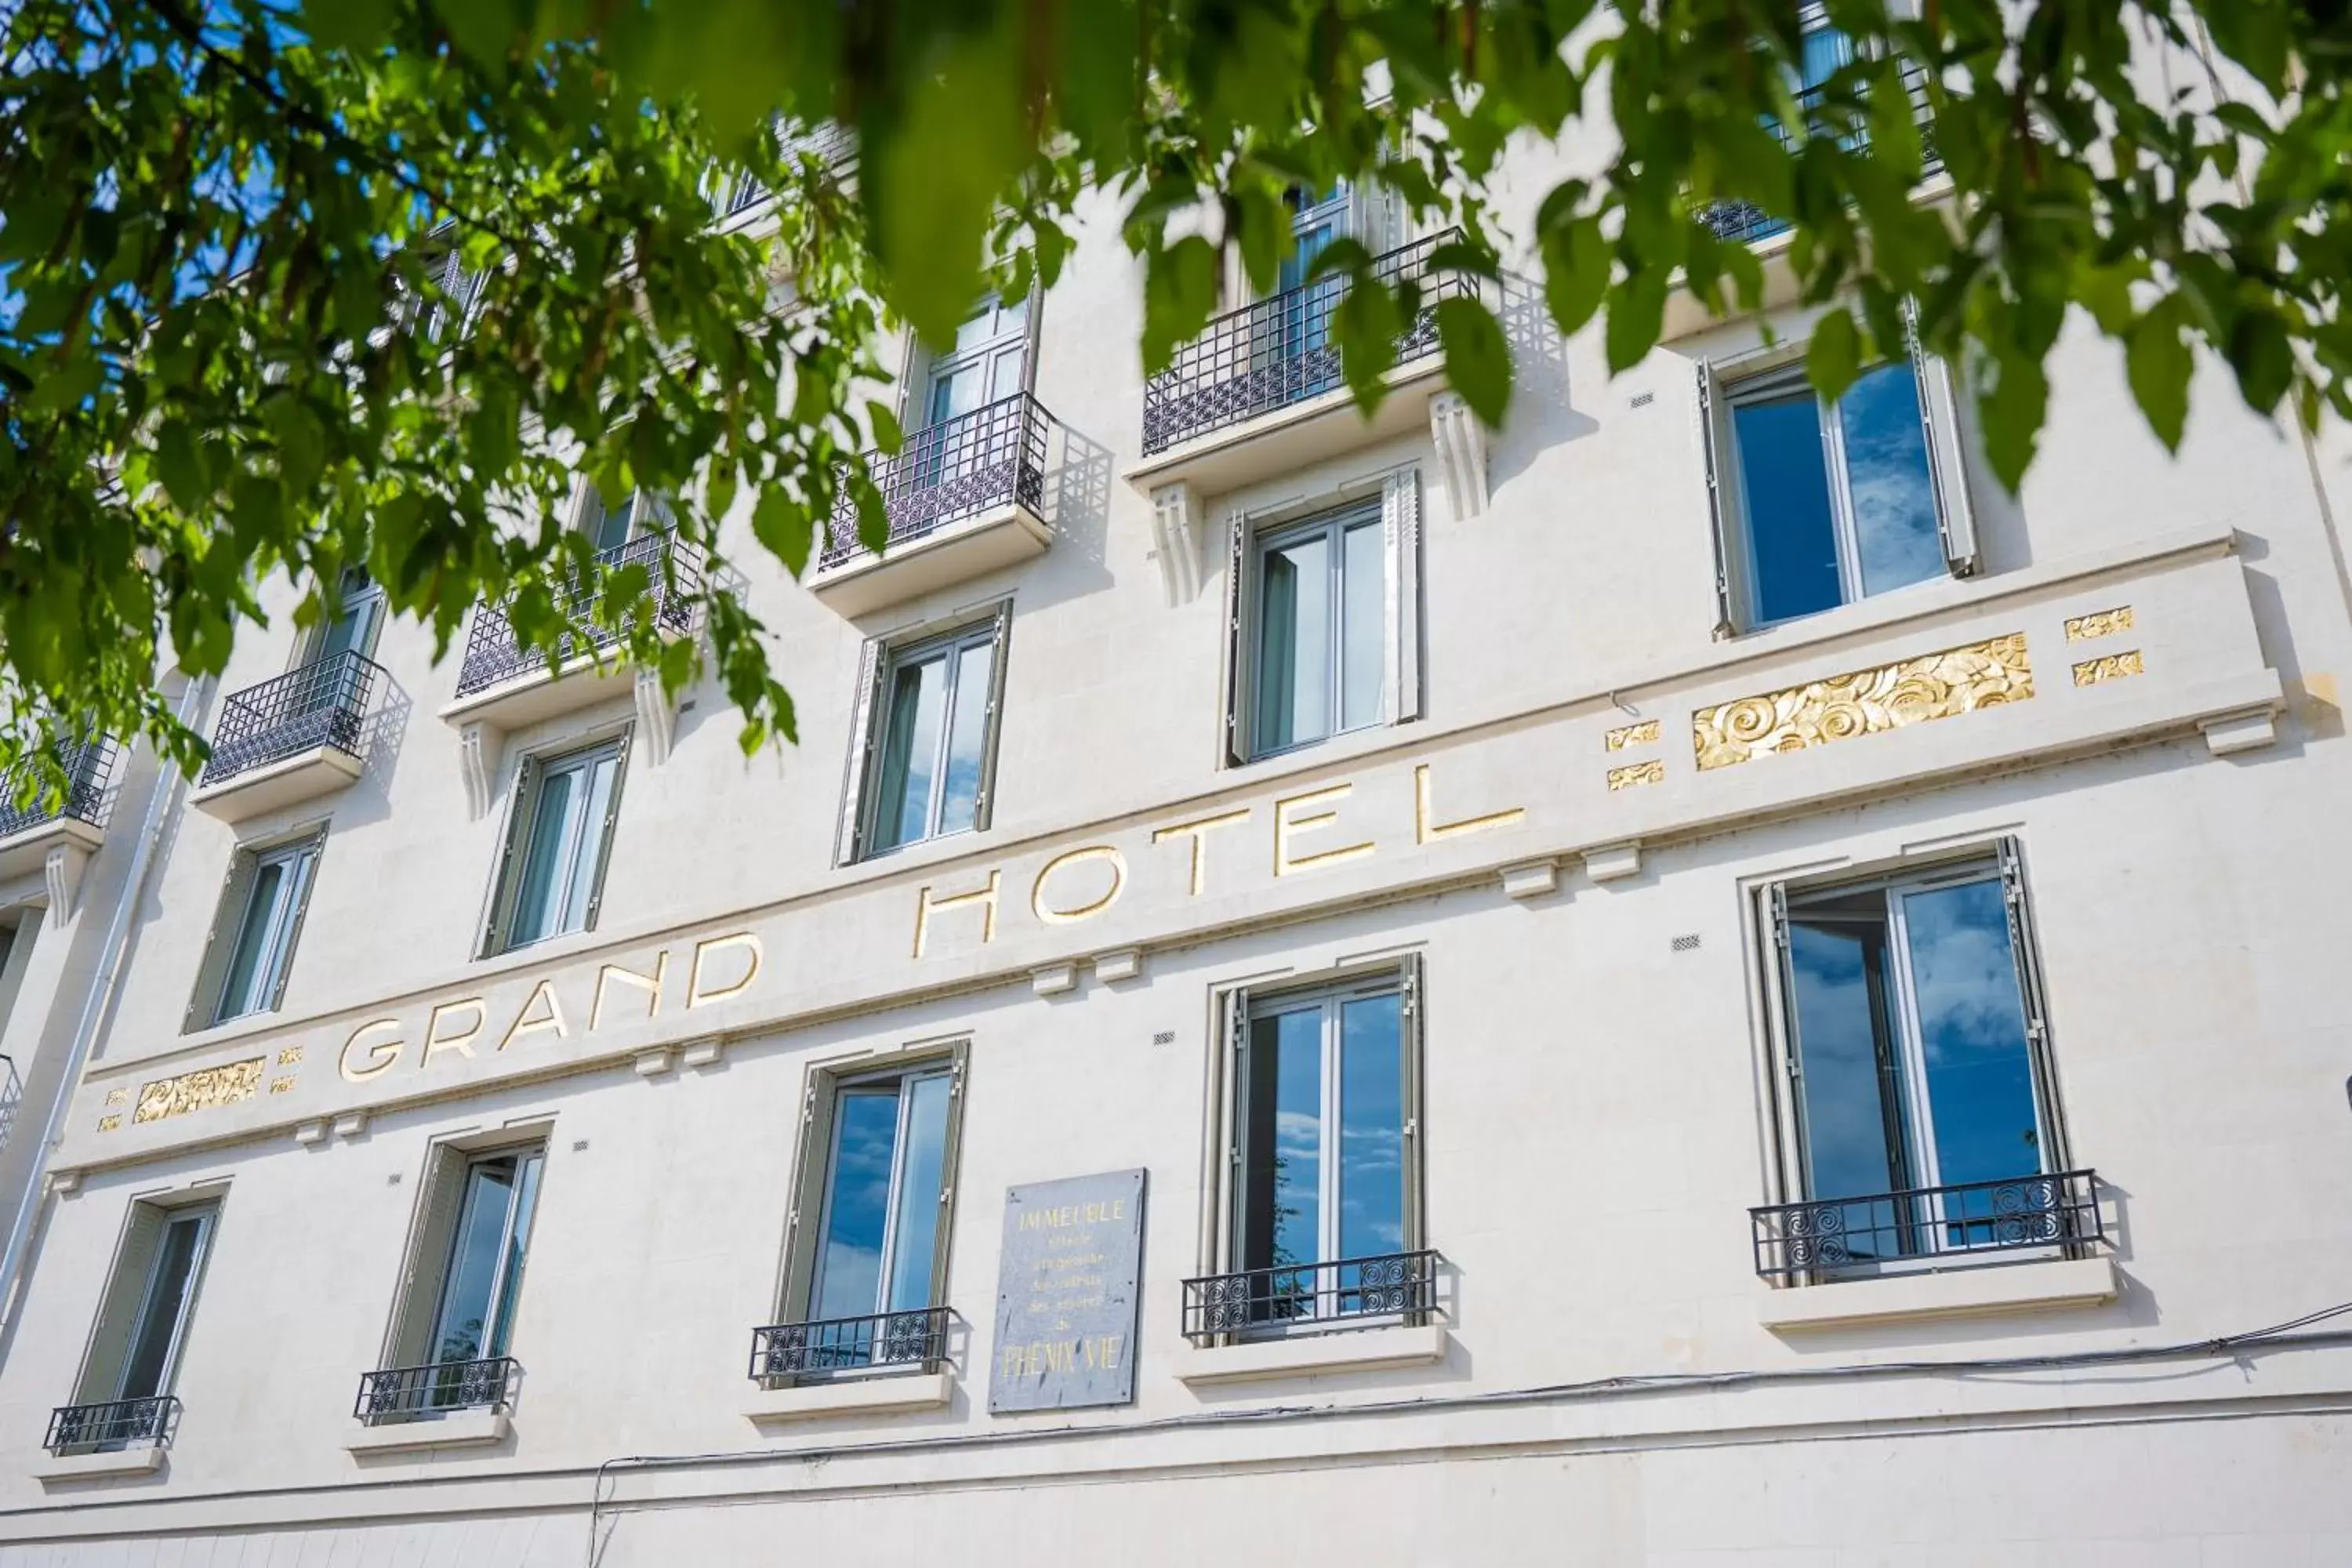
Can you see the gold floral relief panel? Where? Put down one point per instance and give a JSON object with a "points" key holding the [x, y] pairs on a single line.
{"points": [[1864, 702], [2110, 667], [1625, 735], [1652, 772], [199, 1090], [2101, 624]]}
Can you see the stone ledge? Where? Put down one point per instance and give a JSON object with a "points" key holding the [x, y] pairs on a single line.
{"points": [[1910, 1298], [467, 1430], [882, 1395], [96, 1467], [1305, 1355]]}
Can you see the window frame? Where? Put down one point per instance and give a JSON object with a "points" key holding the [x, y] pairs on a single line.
{"points": [[868, 714], [435, 1226], [923, 365], [130, 1290], [232, 910], [514, 867], [951, 646]]}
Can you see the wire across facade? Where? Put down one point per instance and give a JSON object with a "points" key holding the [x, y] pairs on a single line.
{"points": [[406, 1392], [781, 1352], [1743, 223], [113, 1424], [1344, 1293], [321, 703], [1950, 1225], [674, 573], [88, 769], [992, 457], [1280, 350]]}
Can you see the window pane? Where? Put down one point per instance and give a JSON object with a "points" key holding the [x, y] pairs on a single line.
{"points": [[1010, 363], [967, 738], [1972, 1033], [517, 1242], [1889, 484], [543, 861], [1294, 665], [1363, 609], [610, 526], [910, 746], [959, 390], [247, 973], [914, 1237], [1372, 1127], [148, 1368], [980, 326], [587, 844], [1824, 50], [857, 1204], [1782, 482], [1854, 1139], [1282, 1218], [461, 1332]]}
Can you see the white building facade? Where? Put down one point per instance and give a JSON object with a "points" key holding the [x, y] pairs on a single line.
{"points": [[1682, 981]]}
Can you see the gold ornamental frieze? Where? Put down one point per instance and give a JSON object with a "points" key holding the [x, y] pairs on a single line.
{"points": [[203, 1090], [1864, 702]]}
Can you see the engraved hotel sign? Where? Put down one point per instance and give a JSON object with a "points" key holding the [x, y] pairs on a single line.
{"points": [[1066, 1294]]}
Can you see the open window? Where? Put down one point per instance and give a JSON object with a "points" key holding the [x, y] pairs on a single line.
{"points": [[1323, 619], [988, 363], [124, 1397], [453, 1326], [609, 525], [923, 736], [1818, 504], [559, 836], [867, 1256], [256, 926]]}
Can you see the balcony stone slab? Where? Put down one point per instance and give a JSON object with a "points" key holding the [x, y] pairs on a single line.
{"points": [[67, 1468], [956, 552], [26, 851], [290, 781], [1961, 1293], [461, 1429], [1287, 440], [885, 1394], [1308, 1355]]}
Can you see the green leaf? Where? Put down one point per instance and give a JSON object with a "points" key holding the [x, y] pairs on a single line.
{"points": [[1179, 291], [884, 423], [782, 523], [2159, 364], [1477, 360], [358, 25], [1636, 314], [1834, 358], [182, 471], [1576, 271]]}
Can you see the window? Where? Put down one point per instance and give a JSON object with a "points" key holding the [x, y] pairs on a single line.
{"points": [[1922, 1107], [1323, 1149], [989, 363], [552, 871], [352, 620], [1819, 504], [1324, 621], [923, 763], [608, 527], [867, 1268], [250, 949], [143, 1329], [456, 1311]]}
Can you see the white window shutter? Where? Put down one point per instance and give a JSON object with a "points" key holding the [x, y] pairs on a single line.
{"points": [[1947, 458], [1000, 647], [1710, 395], [861, 749], [428, 1258], [2031, 995], [1401, 533], [118, 1312], [228, 918], [305, 871], [1237, 681]]}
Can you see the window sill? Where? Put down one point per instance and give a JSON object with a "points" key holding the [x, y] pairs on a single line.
{"points": [[1915, 1297], [97, 1466], [1287, 439], [885, 1394], [1308, 1355], [956, 552], [466, 1429], [306, 775]]}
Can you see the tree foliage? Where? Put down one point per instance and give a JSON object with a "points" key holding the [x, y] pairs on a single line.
{"points": [[299, 286]]}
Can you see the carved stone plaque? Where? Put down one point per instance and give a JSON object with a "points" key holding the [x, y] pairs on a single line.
{"points": [[1066, 1294]]}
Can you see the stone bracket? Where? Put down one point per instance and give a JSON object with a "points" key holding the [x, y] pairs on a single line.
{"points": [[1532, 879], [2248, 730], [1123, 963], [1461, 443], [1176, 542], [656, 716], [61, 874], [480, 747], [1053, 979], [1610, 862]]}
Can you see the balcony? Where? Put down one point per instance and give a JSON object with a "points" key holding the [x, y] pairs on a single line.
{"points": [[1942, 1227], [1287, 1320], [113, 1426], [1259, 393], [838, 1366], [834, 146], [76, 820], [288, 740], [965, 497], [506, 686], [1745, 222], [450, 1404]]}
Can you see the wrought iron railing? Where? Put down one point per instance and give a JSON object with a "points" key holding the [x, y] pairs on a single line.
{"points": [[781, 1352], [832, 145], [1950, 1225], [89, 768], [10, 1093], [114, 1424], [1745, 222], [493, 654], [1286, 1298], [321, 703], [960, 468], [1280, 350], [410, 1392]]}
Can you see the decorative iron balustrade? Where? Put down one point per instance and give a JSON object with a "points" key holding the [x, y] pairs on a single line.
{"points": [[321, 703], [493, 654], [414, 1393], [781, 1352], [1280, 351], [1950, 1225], [960, 468], [113, 1424], [1745, 222], [89, 768], [831, 145], [1288, 1298], [10, 1093]]}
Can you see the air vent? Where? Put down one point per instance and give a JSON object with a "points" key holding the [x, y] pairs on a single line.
{"points": [[1686, 943]]}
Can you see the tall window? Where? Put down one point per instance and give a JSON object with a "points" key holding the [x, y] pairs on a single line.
{"points": [[143, 1329], [352, 620], [251, 950], [608, 526], [989, 363], [1325, 1189], [454, 1322], [1324, 622], [1917, 1054], [923, 760], [557, 841], [474, 1317], [1819, 504]]}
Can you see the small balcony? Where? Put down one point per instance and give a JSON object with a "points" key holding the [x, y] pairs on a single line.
{"points": [[290, 739], [1260, 392], [1958, 1226], [76, 819], [507, 686], [834, 146], [965, 497], [113, 1425], [873, 1365], [1745, 222], [1313, 1298], [450, 1404]]}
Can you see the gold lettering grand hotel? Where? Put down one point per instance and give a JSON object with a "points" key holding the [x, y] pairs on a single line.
{"points": [[1683, 982]]}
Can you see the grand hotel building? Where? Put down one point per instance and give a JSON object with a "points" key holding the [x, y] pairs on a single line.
{"points": [[1683, 981]]}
